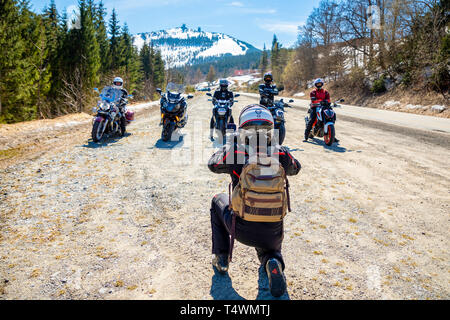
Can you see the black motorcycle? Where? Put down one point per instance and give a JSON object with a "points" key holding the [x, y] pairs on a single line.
{"points": [[325, 120], [173, 110], [277, 108], [110, 114], [222, 114]]}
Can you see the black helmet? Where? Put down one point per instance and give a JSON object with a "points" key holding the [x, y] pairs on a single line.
{"points": [[223, 84], [268, 77]]}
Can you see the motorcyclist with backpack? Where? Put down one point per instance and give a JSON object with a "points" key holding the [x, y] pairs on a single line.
{"points": [[319, 96], [221, 94], [254, 216], [267, 90]]}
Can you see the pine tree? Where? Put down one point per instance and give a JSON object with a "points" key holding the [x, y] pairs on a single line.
{"points": [[275, 58], [211, 76], [158, 70], [114, 41], [102, 37], [90, 63], [130, 60], [264, 63], [12, 69]]}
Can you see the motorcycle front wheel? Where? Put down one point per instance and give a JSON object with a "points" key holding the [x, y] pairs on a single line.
{"points": [[168, 129], [97, 131], [329, 136]]}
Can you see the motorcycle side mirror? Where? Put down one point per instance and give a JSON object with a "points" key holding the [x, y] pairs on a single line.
{"points": [[342, 100], [190, 96], [237, 95], [209, 94], [290, 101], [159, 90]]}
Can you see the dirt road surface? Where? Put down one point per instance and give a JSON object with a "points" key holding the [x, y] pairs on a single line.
{"points": [[129, 218]]}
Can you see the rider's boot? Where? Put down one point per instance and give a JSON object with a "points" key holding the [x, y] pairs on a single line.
{"points": [[277, 280], [220, 262], [306, 135]]}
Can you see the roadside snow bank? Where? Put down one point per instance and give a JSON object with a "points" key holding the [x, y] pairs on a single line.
{"points": [[415, 107], [438, 108], [391, 103]]}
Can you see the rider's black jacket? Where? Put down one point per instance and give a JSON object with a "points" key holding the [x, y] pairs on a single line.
{"points": [[233, 156], [223, 95], [267, 90]]}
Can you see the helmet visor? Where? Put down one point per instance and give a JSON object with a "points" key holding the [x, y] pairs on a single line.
{"points": [[257, 125], [117, 83]]}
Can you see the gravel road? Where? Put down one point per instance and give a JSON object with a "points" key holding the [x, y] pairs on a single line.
{"points": [[129, 218]]}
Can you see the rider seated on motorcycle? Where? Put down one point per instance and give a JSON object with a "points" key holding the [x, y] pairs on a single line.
{"points": [[267, 89], [118, 84], [221, 94], [318, 96]]}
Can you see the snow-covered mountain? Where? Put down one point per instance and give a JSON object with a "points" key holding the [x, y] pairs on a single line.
{"points": [[182, 46]]}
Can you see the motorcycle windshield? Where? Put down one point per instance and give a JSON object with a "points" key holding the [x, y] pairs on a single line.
{"points": [[110, 94], [174, 92]]}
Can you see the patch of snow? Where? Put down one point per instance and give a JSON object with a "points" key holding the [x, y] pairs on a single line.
{"points": [[299, 94], [223, 46], [438, 108], [415, 107], [391, 103]]}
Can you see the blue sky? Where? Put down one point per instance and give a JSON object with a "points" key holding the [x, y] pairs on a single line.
{"points": [[253, 21]]}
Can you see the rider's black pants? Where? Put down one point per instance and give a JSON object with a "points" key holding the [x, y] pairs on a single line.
{"points": [[312, 119], [265, 237], [213, 121]]}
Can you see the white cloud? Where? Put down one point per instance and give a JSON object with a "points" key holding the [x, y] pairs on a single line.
{"points": [[258, 11], [236, 4], [281, 27]]}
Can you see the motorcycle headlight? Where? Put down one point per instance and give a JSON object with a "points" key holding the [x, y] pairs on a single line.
{"points": [[221, 111], [279, 113]]}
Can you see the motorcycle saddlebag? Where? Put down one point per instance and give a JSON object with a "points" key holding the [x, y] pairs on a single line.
{"points": [[129, 115]]}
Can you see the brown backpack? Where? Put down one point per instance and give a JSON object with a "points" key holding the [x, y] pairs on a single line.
{"points": [[262, 194]]}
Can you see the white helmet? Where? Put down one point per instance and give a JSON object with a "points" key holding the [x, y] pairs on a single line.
{"points": [[118, 83], [257, 117]]}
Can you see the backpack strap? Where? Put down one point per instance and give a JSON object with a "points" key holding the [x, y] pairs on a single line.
{"points": [[232, 237], [287, 195], [230, 188]]}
